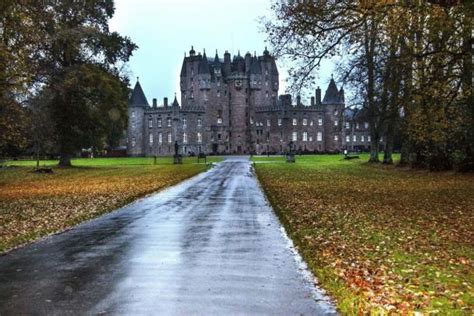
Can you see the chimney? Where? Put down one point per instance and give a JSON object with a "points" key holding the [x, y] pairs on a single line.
{"points": [[154, 103], [165, 102], [312, 101], [318, 96]]}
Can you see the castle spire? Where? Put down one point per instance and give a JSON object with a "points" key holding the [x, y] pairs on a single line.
{"points": [[204, 65]]}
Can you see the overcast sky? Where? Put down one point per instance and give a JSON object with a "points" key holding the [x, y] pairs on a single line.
{"points": [[165, 29]]}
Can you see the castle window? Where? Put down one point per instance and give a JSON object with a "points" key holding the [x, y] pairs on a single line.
{"points": [[251, 121], [169, 122], [348, 125], [336, 138], [305, 122], [266, 82], [169, 137], [199, 122], [295, 122], [133, 114], [336, 122], [368, 138], [160, 138], [205, 96], [158, 122], [279, 122], [218, 83], [266, 71], [357, 125], [225, 92], [311, 138], [311, 123], [335, 112], [150, 123], [219, 120], [199, 137], [192, 71], [381, 139], [305, 136], [319, 136], [268, 122], [266, 94], [354, 138], [192, 95], [362, 138], [133, 142], [366, 125], [150, 138], [185, 138], [294, 136], [320, 121], [218, 94], [348, 139], [184, 122]]}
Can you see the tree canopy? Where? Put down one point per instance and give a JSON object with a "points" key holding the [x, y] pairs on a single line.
{"points": [[65, 49], [410, 64]]}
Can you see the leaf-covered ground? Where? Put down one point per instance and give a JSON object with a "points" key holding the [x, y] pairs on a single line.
{"points": [[379, 239], [33, 205]]}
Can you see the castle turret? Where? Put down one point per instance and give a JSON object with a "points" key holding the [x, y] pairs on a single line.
{"points": [[204, 73], [217, 66], [238, 64], [137, 106], [255, 74]]}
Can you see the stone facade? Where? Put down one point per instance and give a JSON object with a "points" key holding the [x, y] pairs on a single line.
{"points": [[232, 107]]}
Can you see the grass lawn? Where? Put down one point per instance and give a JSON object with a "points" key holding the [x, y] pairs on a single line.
{"points": [[378, 238], [33, 205]]}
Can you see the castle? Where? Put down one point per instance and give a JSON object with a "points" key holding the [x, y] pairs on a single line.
{"points": [[231, 106]]}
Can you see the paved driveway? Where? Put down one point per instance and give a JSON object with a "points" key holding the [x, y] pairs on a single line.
{"points": [[210, 245]]}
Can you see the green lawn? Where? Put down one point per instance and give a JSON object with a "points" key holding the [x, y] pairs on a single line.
{"points": [[33, 205], [379, 238], [110, 162]]}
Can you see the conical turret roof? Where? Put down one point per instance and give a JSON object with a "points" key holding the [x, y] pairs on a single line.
{"points": [[204, 65], [138, 97], [332, 93]]}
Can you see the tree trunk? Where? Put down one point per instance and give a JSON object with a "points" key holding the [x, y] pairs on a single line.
{"points": [[387, 155], [369, 45], [37, 157], [65, 160]]}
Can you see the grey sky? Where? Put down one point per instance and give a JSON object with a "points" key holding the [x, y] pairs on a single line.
{"points": [[165, 29]]}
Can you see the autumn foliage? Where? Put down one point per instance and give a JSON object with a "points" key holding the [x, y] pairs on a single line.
{"points": [[380, 239], [33, 205]]}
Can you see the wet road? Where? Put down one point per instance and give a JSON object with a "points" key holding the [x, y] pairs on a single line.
{"points": [[210, 245]]}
